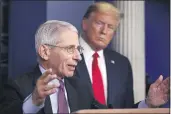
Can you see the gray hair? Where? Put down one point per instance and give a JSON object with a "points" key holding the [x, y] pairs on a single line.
{"points": [[49, 32]]}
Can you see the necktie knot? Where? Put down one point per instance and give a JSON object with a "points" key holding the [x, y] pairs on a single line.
{"points": [[61, 84], [95, 55]]}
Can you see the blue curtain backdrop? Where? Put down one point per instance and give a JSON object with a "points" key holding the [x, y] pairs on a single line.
{"points": [[157, 38], [24, 18]]}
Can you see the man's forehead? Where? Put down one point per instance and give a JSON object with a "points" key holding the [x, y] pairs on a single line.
{"points": [[67, 43], [68, 37]]}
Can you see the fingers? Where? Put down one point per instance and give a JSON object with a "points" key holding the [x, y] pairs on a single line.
{"points": [[50, 89], [166, 98], [166, 81], [49, 78], [166, 85], [43, 88], [47, 90], [164, 88], [159, 92], [158, 81], [46, 73]]}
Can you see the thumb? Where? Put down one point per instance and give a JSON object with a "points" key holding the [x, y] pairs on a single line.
{"points": [[158, 81], [46, 73]]}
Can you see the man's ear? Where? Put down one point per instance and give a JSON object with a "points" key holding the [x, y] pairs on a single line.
{"points": [[44, 52], [84, 24]]}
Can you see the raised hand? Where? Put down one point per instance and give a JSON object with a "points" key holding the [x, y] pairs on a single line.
{"points": [[158, 93], [44, 89]]}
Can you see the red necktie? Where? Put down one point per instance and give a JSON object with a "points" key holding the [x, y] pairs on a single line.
{"points": [[97, 85]]}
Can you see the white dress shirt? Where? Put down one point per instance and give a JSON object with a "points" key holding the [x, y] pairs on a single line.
{"points": [[88, 56], [29, 107]]}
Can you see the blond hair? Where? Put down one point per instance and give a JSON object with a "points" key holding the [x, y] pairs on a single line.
{"points": [[102, 7]]}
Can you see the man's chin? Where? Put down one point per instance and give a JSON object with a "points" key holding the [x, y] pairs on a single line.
{"points": [[100, 47], [70, 74]]}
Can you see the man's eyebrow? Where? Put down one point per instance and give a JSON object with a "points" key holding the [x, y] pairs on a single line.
{"points": [[71, 45]]}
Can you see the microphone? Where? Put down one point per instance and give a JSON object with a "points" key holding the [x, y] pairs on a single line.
{"points": [[110, 106], [97, 105]]}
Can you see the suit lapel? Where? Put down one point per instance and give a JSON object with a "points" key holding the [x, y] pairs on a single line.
{"points": [[83, 72], [71, 95], [48, 107], [37, 73], [111, 77]]}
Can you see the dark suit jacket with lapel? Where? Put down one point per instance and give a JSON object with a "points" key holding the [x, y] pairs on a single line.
{"points": [[79, 94], [119, 79]]}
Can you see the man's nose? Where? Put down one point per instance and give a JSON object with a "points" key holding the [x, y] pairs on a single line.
{"points": [[77, 55], [104, 29]]}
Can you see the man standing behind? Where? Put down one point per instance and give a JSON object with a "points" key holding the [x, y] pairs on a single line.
{"points": [[108, 72]]}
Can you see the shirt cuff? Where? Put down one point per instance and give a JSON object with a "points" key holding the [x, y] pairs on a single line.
{"points": [[142, 104], [29, 107]]}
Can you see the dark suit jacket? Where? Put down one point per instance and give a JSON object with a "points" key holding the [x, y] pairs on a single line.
{"points": [[119, 79], [79, 94]]}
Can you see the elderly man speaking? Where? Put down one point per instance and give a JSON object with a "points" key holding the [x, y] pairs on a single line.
{"points": [[49, 88]]}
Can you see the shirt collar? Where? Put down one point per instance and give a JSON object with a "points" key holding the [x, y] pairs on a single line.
{"points": [[88, 51], [42, 69]]}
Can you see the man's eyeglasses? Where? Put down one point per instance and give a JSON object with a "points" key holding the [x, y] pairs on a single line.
{"points": [[70, 49]]}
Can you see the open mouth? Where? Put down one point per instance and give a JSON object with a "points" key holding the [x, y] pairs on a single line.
{"points": [[72, 67]]}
